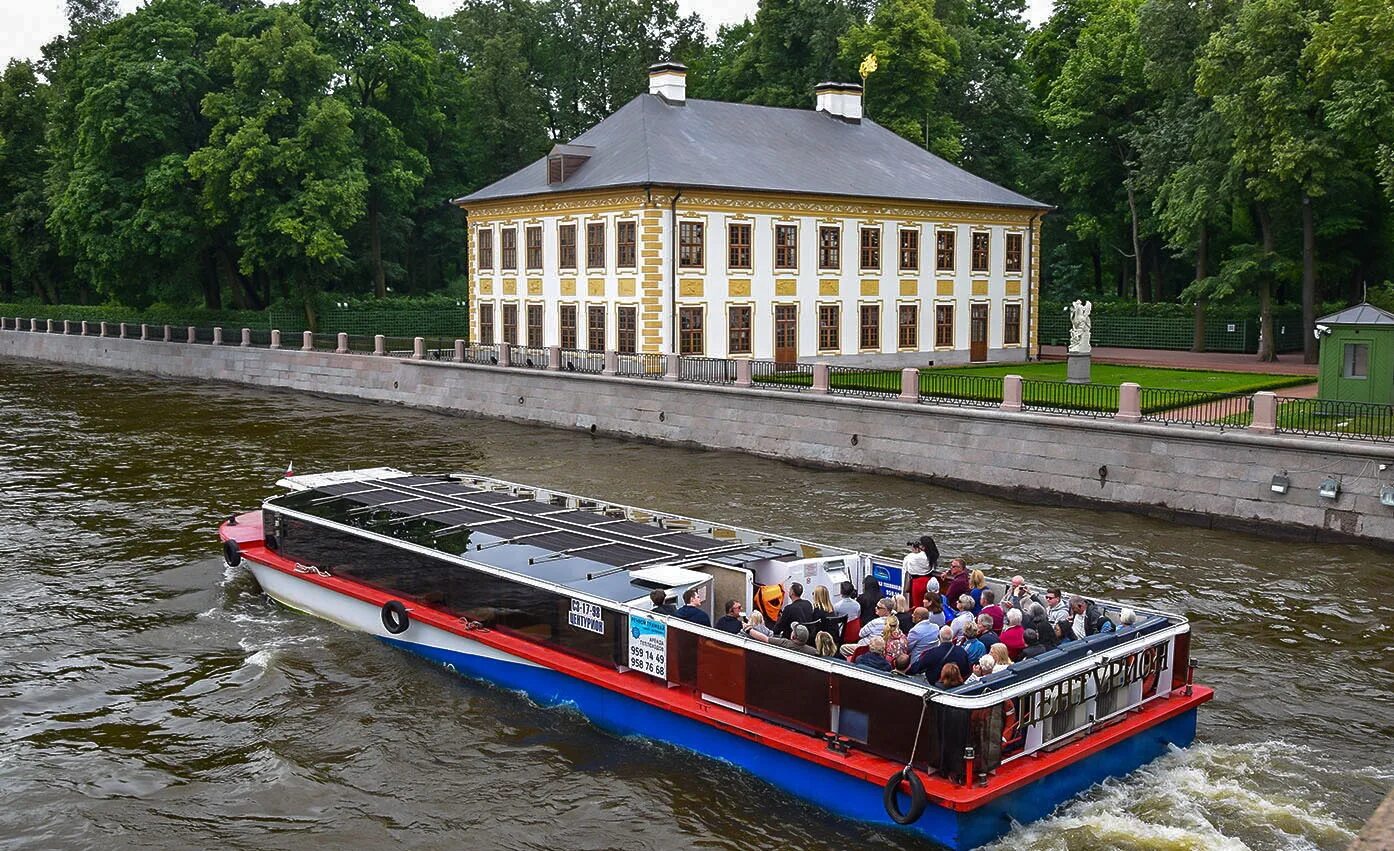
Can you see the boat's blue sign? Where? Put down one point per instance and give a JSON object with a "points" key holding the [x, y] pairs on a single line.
{"points": [[586, 616], [648, 646]]}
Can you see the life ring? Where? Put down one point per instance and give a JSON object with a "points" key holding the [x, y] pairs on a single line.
{"points": [[232, 554], [1008, 721], [394, 617], [918, 800]]}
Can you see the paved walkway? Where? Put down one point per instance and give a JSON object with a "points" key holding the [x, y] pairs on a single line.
{"points": [[1288, 364]]}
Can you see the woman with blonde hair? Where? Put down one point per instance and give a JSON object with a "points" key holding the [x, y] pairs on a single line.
{"points": [[1001, 656], [901, 603], [977, 582], [825, 645], [896, 641], [823, 603]]}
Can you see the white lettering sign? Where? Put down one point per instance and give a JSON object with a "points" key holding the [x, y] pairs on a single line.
{"points": [[586, 616], [648, 646]]}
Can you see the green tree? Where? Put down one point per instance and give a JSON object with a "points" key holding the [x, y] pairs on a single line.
{"points": [[793, 45], [28, 260], [282, 167], [913, 53]]}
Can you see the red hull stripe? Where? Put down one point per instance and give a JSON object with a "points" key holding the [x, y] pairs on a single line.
{"points": [[858, 764]]}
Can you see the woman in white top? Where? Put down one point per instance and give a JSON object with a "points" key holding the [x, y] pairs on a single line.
{"points": [[755, 627]]}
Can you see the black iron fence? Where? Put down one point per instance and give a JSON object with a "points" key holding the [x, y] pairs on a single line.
{"points": [[1062, 397], [982, 391], [1196, 407], [781, 375], [1327, 418], [583, 361], [861, 381]]}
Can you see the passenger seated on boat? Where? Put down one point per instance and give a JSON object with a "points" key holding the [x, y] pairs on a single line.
{"points": [[1127, 617], [933, 659], [971, 645], [1085, 618], [825, 646], [1056, 607], [986, 634], [796, 610], [873, 627], [959, 582], [965, 615], [901, 605], [823, 604], [1014, 636], [923, 635], [691, 607], [659, 598], [933, 604], [992, 610], [984, 666], [755, 628], [1037, 618], [901, 664], [870, 596], [1001, 657], [875, 655], [798, 642], [1017, 594], [950, 676], [977, 584], [894, 638], [732, 621], [847, 603], [1034, 646]]}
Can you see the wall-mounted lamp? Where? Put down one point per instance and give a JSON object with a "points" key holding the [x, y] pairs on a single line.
{"points": [[1280, 483], [1330, 488], [1386, 495]]}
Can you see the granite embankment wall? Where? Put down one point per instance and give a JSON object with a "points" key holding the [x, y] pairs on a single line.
{"points": [[1195, 476]]}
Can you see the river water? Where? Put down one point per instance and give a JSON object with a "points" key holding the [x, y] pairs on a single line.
{"points": [[151, 697]]}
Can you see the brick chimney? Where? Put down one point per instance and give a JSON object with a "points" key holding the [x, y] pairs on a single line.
{"points": [[668, 80], [840, 100]]}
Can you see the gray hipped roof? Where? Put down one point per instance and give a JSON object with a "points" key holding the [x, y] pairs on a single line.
{"points": [[719, 145], [1361, 314]]}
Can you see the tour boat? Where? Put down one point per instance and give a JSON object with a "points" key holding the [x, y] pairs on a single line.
{"points": [[549, 593]]}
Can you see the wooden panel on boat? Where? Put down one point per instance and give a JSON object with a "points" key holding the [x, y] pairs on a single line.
{"points": [[787, 692], [682, 657], [885, 721], [721, 670]]}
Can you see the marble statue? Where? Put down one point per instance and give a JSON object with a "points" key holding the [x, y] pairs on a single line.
{"points": [[1080, 326]]}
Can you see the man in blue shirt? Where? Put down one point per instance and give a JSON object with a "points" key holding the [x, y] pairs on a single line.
{"points": [[691, 611], [923, 635]]}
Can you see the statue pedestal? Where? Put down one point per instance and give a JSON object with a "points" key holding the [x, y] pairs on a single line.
{"points": [[1077, 367]]}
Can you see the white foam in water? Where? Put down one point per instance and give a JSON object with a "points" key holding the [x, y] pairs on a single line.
{"points": [[261, 658], [1263, 795]]}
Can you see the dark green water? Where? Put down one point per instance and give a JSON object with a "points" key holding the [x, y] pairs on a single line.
{"points": [[151, 698]]}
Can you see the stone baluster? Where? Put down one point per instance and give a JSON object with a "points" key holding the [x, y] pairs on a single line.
{"points": [[1011, 393]]}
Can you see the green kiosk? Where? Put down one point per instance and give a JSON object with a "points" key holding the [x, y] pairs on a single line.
{"points": [[1357, 355]]}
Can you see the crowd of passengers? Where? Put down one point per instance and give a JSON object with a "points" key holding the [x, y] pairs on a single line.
{"points": [[959, 633]]}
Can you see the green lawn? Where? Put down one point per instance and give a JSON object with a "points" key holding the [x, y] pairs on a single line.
{"points": [[1321, 416], [1147, 376]]}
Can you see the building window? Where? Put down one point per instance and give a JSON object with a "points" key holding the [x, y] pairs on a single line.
{"points": [[624, 244], [535, 325], [870, 337], [486, 324], [595, 327], [829, 255], [980, 252], [871, 248], [566, 247], [944, 250], [1014, 252], [908, 326], [738, 330], [510, 324], [691, 251], [691, 340], [486, 248], [534, 248], [1011, 328], [738, 246], [944, 326], [909, 250], [786, 246], [566, 320], [627, 329], [829, 323], [1357, 360], [595, 245], [508, 241]]}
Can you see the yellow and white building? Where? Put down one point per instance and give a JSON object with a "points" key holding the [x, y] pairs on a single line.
{"points": [[729, 230]]}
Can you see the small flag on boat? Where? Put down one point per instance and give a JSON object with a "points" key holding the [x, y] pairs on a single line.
{"points": [[290, 469]]}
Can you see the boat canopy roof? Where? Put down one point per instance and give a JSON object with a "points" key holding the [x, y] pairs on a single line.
{"points": [[589, 546]]}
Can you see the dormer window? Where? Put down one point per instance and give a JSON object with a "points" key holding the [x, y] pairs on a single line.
{"points": [[564, 160]]}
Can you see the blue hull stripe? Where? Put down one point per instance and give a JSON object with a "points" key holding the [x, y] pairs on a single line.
{"points": [[831, 789]]}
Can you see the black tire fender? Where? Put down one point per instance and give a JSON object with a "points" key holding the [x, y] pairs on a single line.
{"points": [[918, 800], [232, 554], [395, 618]]}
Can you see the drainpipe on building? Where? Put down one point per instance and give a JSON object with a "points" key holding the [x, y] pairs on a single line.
{"points": [[673, 272]]}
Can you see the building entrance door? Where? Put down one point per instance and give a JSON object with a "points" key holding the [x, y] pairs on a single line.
{"points": [[977, 333], [786, 334]]}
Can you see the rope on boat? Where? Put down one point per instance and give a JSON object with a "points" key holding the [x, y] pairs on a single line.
{"points": [[924, 708], [310, 568], [907, 775]]}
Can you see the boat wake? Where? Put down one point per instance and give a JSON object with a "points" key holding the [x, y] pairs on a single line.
{"points": [[1205, 797]]}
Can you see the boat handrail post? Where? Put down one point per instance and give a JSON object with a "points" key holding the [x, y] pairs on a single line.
{"points": [[968, 758]]}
